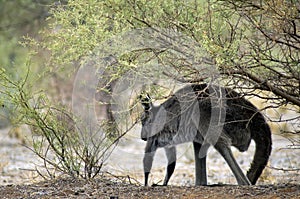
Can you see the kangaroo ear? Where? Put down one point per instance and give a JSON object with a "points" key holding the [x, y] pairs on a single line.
{"points": [[146, 101]]}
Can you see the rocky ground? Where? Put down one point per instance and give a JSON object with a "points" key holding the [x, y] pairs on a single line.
{"points": [[19, 180]]}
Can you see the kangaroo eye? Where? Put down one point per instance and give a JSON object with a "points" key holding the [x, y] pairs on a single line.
{"points": [[146, 117]]}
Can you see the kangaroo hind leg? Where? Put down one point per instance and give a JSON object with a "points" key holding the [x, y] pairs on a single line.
{"points": [[225, 151]]}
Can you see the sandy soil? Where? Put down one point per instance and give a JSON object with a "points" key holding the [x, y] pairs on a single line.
{"points": [[19, 180]]}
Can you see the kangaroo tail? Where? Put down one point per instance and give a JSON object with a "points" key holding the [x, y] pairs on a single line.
{"points": [[261, 134]]}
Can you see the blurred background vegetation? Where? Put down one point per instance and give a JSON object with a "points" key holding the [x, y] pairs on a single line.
{"points": [[18, 19]]}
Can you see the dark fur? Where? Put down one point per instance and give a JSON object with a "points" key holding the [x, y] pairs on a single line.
{"points": [[243, 122]]}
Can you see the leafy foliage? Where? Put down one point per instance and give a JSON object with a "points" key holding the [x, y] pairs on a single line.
{"points": [[56, 138], [224, 28]]}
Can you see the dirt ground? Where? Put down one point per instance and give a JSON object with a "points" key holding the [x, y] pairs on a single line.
{"points": [[108, 188]]}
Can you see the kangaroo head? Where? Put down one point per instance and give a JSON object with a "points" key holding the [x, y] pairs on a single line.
{"points": [[153, 118]]}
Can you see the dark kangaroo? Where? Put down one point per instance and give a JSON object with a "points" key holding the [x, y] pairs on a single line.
{"points": [[186, 117]]}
